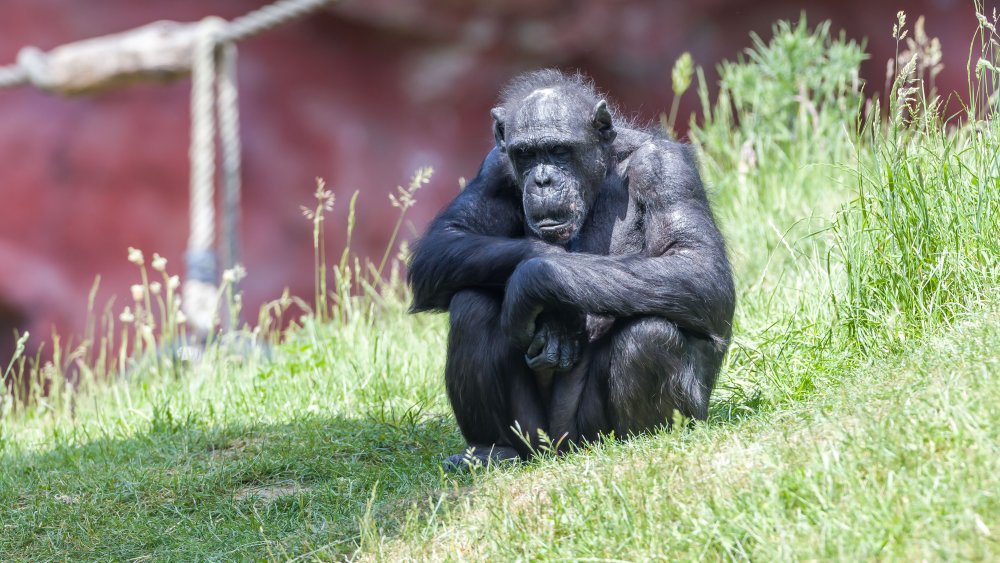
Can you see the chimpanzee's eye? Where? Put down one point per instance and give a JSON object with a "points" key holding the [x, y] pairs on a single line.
{"points": [[522, 157], [560, 151]]}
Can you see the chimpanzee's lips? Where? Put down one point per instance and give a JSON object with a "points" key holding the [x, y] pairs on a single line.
{"points": [[554, 231]]}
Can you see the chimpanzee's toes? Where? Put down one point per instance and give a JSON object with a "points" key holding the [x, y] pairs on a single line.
{"points": [[478, 456]]}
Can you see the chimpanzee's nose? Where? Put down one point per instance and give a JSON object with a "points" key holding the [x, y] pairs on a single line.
{"points": [[543, 177]]}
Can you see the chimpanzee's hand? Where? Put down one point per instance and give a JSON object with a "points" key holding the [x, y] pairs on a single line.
{"points": [[555, 346], [525, 299]]}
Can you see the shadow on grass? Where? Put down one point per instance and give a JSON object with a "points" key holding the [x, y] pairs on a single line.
{"points": [[190, 491]]}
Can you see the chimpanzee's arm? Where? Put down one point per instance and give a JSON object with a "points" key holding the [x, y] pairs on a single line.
{"points": [[682, 275], [477, 241]]}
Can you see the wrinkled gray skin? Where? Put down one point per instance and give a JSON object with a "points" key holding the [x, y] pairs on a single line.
{"points": [[586, 281], [549, 140]]}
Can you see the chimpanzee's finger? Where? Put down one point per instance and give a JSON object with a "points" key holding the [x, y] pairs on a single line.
{"points": [[537, 343], [551, 352], [567, 353]]}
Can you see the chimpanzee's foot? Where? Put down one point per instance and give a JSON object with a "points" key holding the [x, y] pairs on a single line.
{"points": [[477, 456]]}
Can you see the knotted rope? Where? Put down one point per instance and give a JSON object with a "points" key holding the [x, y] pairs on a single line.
{"points": [[31, 65], [213, 96], [12, 76]]}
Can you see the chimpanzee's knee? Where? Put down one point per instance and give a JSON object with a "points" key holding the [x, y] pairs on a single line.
{"points": [[656, 368], [475, 386], [488, 382]]}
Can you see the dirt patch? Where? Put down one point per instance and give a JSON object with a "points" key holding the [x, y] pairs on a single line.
{"points": [[67, 499], [236, 447], [267, 493]]}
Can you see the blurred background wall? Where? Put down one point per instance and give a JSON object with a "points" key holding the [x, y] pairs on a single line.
{"points": [[361, 95]]}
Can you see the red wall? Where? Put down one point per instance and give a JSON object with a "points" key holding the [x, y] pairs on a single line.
{"points": [[360, 95]]}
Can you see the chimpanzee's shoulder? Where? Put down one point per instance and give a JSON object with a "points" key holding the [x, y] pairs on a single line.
{"points": [[658, 167], [494, 179]]}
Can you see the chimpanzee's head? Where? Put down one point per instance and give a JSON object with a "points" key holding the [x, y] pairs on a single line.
{"points": [[557, 133]]}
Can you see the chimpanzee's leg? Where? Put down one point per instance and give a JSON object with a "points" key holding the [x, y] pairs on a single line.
{"points": [[489, 384], [646, 368]]}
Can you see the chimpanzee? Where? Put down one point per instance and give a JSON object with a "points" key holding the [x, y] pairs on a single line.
{"points": [[586, 281]]}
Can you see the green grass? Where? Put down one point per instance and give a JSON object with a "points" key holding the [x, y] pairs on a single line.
{"points": [[898, 460], [854, 419], [233, 455]]}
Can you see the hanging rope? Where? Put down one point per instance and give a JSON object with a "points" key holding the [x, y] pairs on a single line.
{"points": [[229, 139], [163, 49], [199, 294]]}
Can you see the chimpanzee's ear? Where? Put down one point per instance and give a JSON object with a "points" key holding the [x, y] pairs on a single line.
{"points": [[601, 120], [499, 116]]}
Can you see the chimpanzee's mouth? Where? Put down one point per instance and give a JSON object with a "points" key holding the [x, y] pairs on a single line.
{"points": [[554, 231]]}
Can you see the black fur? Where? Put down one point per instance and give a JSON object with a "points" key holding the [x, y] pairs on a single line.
{"points": [[587, 283]]}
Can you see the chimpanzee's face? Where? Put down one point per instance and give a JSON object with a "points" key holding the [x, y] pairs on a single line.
{"points": [[558, 148]]}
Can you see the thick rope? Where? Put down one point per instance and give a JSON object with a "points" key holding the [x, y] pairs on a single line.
{"points": [[268, 17], [200, 282], [253, 23], [202, 149], [12, 76], [229, 139], [216, 36]]}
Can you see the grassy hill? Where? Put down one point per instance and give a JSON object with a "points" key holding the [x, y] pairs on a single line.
{"points": [[855, 416]]}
